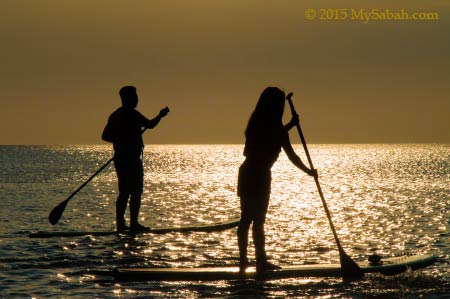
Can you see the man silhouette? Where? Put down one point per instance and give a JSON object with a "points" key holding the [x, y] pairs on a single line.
{"points": [[124, 129]]}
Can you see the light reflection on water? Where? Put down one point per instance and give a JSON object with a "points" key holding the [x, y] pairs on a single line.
{"points": [[383, 198]]}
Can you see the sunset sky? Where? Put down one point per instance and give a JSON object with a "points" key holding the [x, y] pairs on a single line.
{"points": [[63, 62]]}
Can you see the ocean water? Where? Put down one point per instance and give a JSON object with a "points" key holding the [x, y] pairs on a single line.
{"points": [[384, 199]]}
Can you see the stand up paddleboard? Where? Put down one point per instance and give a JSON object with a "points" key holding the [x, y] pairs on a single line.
{"points": [[213, 227], [387, 266]]}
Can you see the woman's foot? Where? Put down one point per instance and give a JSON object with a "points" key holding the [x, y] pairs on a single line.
{"points": [[243, 265]]}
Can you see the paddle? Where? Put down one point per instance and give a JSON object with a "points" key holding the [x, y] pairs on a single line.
{"points": [[348, 266], [57, 211]]}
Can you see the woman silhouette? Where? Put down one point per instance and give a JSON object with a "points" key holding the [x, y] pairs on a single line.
{"points": [[265, 136]]}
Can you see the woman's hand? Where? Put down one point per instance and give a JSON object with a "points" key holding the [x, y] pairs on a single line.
{"points": [[313, 173], [295, 120]]}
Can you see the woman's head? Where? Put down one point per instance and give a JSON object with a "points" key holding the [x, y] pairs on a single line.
{"points": [[270, 106], [268, 114]]}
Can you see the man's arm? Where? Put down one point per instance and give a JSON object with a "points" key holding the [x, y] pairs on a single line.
{"points": [[151, 123]]}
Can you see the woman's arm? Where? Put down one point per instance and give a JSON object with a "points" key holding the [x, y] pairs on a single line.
{"points": [[294, 158]]}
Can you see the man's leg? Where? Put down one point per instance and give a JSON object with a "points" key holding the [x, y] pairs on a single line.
{"points": [[135, 205], [121, 206], [135, 200]]}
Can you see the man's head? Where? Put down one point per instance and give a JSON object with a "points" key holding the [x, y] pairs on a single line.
{"points": [[129, 96]]}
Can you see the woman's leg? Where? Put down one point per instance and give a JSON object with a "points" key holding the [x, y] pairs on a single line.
{"points": [[242, 234], [259, 238]]}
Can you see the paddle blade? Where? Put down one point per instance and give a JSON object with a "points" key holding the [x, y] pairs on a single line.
{"points": [[350, 268], [57, 212]]}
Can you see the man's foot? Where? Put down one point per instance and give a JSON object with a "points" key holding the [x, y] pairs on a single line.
{"points": [[266, 266], [122, 228], [138, 228]]}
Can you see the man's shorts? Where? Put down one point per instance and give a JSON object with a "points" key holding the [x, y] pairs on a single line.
{"points": [[130, 174]]}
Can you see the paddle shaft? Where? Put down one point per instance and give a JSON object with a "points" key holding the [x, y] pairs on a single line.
{"points": [[350, 268], [90, 179], [316, 179]]}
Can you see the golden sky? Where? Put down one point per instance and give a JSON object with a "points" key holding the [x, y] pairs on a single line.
{"points": [[63, 62]]}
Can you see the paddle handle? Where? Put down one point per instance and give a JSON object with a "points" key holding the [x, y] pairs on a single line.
{"points": [[316, 179]]}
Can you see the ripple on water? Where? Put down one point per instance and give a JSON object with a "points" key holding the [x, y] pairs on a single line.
{"points": [[384, 199]]}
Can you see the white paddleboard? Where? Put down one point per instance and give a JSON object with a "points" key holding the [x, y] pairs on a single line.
{"points": [[387, 266]]}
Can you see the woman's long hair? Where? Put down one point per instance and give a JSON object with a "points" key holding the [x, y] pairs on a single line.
{"points": [[266, 119]]}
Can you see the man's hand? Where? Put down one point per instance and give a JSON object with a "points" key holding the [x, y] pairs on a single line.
{"points": [[164, 112]]}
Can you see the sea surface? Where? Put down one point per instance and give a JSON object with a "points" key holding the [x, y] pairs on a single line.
{"points": [[386, 199]]}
